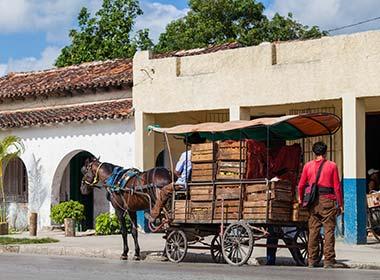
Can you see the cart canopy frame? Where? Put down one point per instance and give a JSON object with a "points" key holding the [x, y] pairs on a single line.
{"points": [[291, 127]]}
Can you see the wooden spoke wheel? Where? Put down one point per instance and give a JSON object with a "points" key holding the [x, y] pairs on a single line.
{"points": [[237, 243], [301, 239], [373, 217], [176, 246], [216, 249]]}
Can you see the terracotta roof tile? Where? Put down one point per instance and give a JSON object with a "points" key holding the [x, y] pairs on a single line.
{"points": [[206, 50], [87, 75], [116, 109], [99, 74]]}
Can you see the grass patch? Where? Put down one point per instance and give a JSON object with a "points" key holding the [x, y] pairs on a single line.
{"points": [[10, 240]]}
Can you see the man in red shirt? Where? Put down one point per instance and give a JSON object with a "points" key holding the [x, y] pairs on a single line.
{"points": [[324, 210]]}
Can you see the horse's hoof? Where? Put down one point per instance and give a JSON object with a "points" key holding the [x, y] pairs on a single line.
{"points": [[123, 258], [136, 258]]}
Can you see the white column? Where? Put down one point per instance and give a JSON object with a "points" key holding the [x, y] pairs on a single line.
{"points": [[239, 113], [354, 180]]}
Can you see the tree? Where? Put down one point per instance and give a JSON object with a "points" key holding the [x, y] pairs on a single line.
{"points": [[10, 148], [106, 35], [218, 21]]}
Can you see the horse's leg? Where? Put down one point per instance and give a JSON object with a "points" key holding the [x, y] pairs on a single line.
{"points": [[124, 233], [133, 217]]}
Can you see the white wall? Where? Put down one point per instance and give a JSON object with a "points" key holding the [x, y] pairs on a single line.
{"points": [[48, 150]]}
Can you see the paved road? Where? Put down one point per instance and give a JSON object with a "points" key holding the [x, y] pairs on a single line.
{"points": [[22, 267]]}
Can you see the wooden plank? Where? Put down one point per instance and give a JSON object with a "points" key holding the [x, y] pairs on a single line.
{"points": [[274, 194], [205, 197], [197, 190], [235, 202], [201, 147], [256, 188], [263, 210], [228, 176], [263, 203]]}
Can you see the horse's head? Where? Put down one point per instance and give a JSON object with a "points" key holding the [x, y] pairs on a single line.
{"points": [[89, 179]]}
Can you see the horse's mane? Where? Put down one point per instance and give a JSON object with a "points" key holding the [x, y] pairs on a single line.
{"points": [[109, 167]]}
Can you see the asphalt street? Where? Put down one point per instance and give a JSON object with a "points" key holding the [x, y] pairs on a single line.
{"points": [[20, 267]]}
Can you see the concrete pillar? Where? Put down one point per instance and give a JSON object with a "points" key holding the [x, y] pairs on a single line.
{"points": [[354, 181], [144, 152], [239, 113]]}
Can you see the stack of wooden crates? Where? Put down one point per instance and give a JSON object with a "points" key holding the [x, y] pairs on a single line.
{"points": [[274, 199], [232, 160], [201, 196]]}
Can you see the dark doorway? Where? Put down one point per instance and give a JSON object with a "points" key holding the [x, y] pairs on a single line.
{"points": [[372, 138], [76, 176]]}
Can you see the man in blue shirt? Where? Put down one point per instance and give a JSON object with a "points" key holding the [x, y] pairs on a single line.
{"points": [[182, 172]]}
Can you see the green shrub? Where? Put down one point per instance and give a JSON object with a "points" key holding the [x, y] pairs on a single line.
{"points": [[67, 209], [106, 224]]}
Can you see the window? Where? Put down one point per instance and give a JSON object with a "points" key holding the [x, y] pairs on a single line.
{"points": [[15, 181]]}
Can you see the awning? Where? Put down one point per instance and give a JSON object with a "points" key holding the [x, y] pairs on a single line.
{"points": [[290, 127]]}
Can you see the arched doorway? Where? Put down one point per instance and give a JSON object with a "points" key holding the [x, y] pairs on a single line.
{"points": [[16, 193], [70, 187], [66, 186]]}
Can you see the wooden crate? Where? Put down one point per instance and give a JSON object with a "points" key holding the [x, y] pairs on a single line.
{"points": [[230, 151], [227, 192], [201, 193], [230, 170], [299, 213], [202, 152], [275, 199], [279, 192], [180, 210], [200, 211], [230, 210], [201, 172], [373, 200]]}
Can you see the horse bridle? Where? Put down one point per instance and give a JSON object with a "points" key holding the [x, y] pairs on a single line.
{"points": [[96, 177]]}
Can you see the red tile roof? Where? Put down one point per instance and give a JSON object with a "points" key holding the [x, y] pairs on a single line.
{"points": [[91, 75], [206, 50], [116, 109], [87, 75]]}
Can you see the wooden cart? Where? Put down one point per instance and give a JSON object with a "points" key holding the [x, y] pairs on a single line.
{"points": [[238, 212]]}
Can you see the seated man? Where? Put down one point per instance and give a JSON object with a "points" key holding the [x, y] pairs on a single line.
{"points": [[182, 172], [374, 180]]}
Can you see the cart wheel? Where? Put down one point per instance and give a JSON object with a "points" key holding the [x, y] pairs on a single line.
{"points": [[216, 249], [301, 239], [374, 221], [176, 246], [237, 243]]}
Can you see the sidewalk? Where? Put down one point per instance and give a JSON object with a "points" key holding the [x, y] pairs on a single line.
{"points": [[355, 256]]}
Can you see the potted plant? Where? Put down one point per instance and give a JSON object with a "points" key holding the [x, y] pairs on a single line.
{"points": [[10, 148], [69, 213]]}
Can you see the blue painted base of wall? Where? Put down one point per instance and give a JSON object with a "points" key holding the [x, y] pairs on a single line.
{"points": [[355, 216], [142, 222]]}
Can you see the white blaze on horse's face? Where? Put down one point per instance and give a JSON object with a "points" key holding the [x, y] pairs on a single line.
{"points": [[88, 177]]}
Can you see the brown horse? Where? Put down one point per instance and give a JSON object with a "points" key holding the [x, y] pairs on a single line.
{"points": [[138, 194]]}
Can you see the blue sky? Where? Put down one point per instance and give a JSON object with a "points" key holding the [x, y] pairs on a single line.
{"points": [[32, 32]]}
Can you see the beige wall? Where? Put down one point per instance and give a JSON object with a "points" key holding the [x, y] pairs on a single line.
{"points": [[322, 69]]}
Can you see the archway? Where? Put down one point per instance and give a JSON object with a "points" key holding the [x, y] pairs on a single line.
{"points": [[66, 186]]}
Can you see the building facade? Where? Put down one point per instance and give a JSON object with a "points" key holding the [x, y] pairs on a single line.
{"points": [[336, 74], [64, 116]]}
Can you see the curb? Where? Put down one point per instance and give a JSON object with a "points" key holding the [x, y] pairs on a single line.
{"points": [[115, 254]]}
